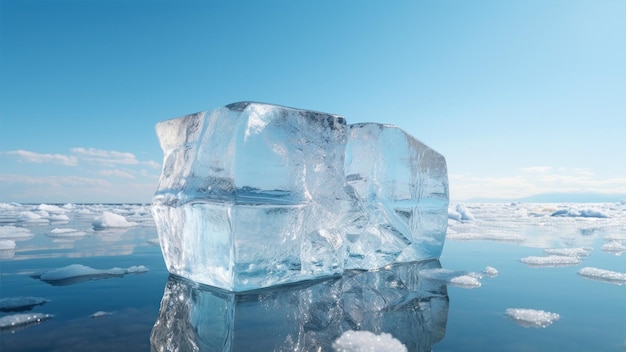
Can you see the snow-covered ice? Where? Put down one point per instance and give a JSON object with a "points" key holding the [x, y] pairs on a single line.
{"points": [[491, 271], [111, 220], [7, 244], [550, 261], [569, 252], [254, 195], [15, 233], [20, 304], [22, 319], [532, 317], [604, 275], [367, 341], [615, 247]]}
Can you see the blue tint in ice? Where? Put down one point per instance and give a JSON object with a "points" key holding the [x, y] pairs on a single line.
{"points": [[22, 319], [20, 304], [254, 195]]}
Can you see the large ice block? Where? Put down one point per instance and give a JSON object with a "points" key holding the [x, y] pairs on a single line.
{"points": [[255, 195]]}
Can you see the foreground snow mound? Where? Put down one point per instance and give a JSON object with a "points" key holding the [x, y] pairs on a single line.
{"points": [[532, 318], [609, 276], [20, 304], [366, 341], [111, 220], [22, 319], [77, 273]]}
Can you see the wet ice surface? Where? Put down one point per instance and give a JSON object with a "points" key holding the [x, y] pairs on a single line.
{"points": [[120, 313]]}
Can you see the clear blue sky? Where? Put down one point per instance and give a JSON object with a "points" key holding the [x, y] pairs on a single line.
{"points": [[520, 96]]}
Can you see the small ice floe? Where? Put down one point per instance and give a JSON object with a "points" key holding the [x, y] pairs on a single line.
{"points": [[550, 261], [367, 341], [66, 233], [497, 237], [29, 216], [111, 220], [532, 318], [569, 252], [614, 247], [7, 245], [100, 314], [22, 320], [455, 278], [21, 304], [11, 232], [603, 275], [76, 273], [491, 271]]}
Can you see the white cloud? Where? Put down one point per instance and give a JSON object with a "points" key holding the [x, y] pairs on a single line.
{"points": [[105, 157], [116, 173], [32, 157], [533, 180], [152, 164]]}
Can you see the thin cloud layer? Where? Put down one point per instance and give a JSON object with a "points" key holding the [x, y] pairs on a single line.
{"points": [[33, 157]]}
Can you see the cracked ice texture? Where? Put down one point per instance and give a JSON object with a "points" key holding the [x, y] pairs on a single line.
{"points": [[255, 195]]}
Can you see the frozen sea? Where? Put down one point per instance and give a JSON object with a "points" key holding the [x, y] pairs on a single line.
{"points": [[512, 277]]}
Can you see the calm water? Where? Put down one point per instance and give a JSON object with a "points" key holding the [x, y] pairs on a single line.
{"points": [[152, 308]]}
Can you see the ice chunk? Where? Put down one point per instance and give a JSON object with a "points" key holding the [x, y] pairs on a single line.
{"points": [[367, 341], [20, 304], [76, 273], [22, 319], [569, 252], [532, 318], [111, 220], [7, 245], [401, 187], [100, 314], [609, 276], [254, 195], [550, 261], [449, 277], [11, 232], [615, 247], [491, 271], [304, 316]]}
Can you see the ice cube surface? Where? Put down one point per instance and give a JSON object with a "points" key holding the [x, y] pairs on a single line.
{"points": [[254, 195]]}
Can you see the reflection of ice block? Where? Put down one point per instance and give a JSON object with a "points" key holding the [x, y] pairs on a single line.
{"points": [[249, 194], [255, 195], [402, 188], [304, 317]]}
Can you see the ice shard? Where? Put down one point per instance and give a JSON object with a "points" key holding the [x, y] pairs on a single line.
{"points": [[254, 195]]}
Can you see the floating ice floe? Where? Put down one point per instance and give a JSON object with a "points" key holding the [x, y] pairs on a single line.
{"points": [[20, 304], [614, 247], [455, 278], [29, 216], [77, 273], [486, 236], [7, 245], [66, 233], [111, 220], [11, 232], [100, 314], [367, 341], [550, 261], [603, 275], [569, 252], [22, 319], [491, 271], [532, 318]]}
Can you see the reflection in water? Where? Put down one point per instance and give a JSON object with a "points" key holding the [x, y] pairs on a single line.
{"points": [[304, 317]]}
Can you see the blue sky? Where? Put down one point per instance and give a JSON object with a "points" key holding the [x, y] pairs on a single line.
{"points": [[521, 97]]}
